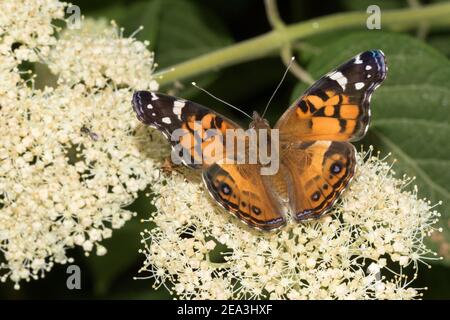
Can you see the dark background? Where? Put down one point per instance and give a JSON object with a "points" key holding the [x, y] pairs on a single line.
{"points": [[248, 85]]}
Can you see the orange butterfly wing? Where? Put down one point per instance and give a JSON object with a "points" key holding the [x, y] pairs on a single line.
{"points": [[314, 132], [318, 172], [336, 107], [195, 132], [242, 190]]}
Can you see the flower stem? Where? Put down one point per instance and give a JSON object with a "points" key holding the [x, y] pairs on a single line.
{"points": [[401, 19], [273, 15]]}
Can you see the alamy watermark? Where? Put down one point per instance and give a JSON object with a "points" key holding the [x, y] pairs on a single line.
{"points": [[73, 281], [74, 18], [237, 146], [374, 19]]}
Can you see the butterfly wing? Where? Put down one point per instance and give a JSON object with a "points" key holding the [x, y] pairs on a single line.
{"points": [[318, 172], [242, 190], [186, 124], [336, 107], [315, 131]]}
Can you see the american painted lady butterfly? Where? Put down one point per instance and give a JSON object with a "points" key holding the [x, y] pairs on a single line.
{"points": [[316, 159]]}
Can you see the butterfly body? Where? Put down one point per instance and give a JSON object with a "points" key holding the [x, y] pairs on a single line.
{"points": [[311, 143]]}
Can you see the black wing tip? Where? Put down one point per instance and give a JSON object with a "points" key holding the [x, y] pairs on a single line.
{"points": [[138, 102], [376, 53], [138, 97], [380, 57], [380, 60]]}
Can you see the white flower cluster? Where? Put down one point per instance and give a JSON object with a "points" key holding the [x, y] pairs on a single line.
{"points": [[360, 251], [75, 58], [28, 25], [71, 155]]}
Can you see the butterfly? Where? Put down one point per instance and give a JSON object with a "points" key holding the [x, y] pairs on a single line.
{"points": [[317, 160]]}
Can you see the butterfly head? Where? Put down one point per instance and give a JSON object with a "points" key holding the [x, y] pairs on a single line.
{"points": [[258, 122]]}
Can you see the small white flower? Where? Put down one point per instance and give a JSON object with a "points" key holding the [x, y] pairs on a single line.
{"points": [[374, 268], [342, 256]]}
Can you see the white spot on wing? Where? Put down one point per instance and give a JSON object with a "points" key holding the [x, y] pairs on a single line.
{"points": [[339, 77], [166, 120], [149, 106], [154, 96], [359, 85], [368, 67], [179, 103], [358, 60], [177, 106]]}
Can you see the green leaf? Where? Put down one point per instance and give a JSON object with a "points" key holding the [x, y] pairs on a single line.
{"points": [[440, 42], [188, 30], [410, 111], [177, 29]]}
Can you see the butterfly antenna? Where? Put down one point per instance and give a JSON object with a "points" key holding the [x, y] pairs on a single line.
{"points": [[218, 99], [279, 85]]}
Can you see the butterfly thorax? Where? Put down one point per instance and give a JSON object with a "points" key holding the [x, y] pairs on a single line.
{"points": [[259, 122], [262, 138]]}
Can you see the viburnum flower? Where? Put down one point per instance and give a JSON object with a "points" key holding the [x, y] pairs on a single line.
{"points": [[72, 153], [359, 251]]}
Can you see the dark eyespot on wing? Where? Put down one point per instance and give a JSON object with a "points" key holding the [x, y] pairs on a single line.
{"points": [[241, 191]]}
